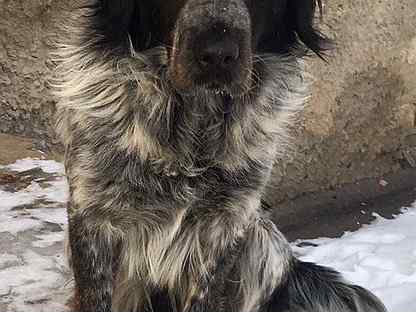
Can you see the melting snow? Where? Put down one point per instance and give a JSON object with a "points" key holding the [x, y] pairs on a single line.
{"points": [[33, 275]]}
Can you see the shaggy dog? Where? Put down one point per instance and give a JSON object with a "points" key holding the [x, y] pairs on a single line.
{"points": [[172, 113]]}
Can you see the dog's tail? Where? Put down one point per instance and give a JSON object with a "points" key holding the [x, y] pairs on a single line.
{"points": [[313, 288]]}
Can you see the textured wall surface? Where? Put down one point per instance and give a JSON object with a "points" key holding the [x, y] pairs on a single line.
{"points": [[25, 33], [359, 123]]}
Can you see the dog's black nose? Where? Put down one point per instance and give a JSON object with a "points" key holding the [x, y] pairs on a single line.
{"points": [[212, 48], [221, 54]]}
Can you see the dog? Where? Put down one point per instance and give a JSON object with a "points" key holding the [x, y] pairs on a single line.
{"points": [[172, 113]]}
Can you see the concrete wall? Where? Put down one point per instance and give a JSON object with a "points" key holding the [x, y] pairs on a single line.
{"points": [[25, 33], [360, 122]]}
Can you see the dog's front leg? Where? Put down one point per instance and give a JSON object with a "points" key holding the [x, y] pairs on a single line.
{"points": [[93, 246], [221, 291]]}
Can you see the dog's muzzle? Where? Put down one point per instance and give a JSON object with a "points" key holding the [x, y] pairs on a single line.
{"points": [[212, 46]]}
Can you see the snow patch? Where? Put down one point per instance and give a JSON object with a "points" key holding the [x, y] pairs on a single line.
{"points": [[47, 240], [380, 257], [26, 284], [33, 274], [48, 166]]}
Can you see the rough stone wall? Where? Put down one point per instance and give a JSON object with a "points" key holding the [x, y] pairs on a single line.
{"points": [[359, 123], [26, 106]]}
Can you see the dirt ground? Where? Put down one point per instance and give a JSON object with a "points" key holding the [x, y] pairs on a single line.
{"points": [[13, 148]]}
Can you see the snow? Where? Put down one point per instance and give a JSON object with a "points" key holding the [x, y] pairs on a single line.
{"points": [[34, 276], [47, 240], [48, 166], [25, 283], [380, 257]]}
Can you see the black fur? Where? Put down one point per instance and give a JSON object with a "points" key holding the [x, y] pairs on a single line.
{"points": [[310, 287], [279, 26]]}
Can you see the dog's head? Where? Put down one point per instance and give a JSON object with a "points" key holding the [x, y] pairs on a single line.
{"points": [[209, 43]]}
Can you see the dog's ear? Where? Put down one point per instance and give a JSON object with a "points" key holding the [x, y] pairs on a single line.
{"points": [[125, 21], [302, 15]]}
